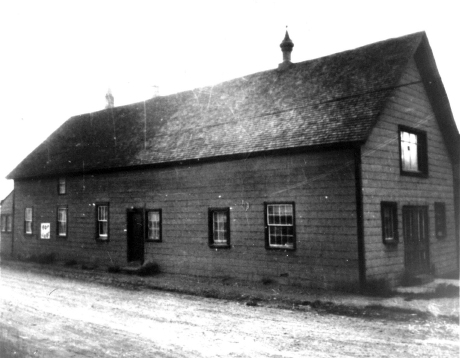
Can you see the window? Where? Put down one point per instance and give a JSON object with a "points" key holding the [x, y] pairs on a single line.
{"points": [[153, 218], [389, 213], [413, 150], [62, 221], [440, 220], [7, 223], [62, 186], [219, 227], [28, 221], [280, 225], [102, 211]]}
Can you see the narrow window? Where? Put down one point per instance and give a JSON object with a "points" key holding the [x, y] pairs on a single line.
{"points": [[219, 227], [28, 221], [62, 186], [62, 221], [440, 220], [3, 223], [280, 225], [389, 213], [153, 225], [9, 223], [413, 148], [102, 221]]}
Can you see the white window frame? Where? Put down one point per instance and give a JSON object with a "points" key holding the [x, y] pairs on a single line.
{"points": [[29, 221], [219, 227], [153, 226], [62, 219], [280, 225], [101, 219]]}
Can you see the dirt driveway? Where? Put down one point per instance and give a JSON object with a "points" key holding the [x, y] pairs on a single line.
{"points": [[48, 316]]}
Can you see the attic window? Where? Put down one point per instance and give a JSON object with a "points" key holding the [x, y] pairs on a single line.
{"points": [[62, 186], [413, 150]]}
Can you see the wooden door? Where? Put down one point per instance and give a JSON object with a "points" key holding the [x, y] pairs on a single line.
{"points": [[136, 231], [416, 240]]}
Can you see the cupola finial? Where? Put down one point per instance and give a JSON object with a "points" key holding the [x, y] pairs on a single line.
{"points": [[286, 47]]}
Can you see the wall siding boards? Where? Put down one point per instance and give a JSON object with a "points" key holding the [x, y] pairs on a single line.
{"points": [[382, 181], [5, 236], [321, 184]]}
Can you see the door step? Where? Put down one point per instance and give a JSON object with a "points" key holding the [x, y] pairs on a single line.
{"points": [[423, 279]]}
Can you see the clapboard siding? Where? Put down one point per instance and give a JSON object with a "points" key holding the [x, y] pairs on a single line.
{"points": [[382, 181], [321, 184], [5, 236]]}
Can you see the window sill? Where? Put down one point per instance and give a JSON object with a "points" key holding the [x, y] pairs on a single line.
{"points": [[150, 240], [414, 174], [281, 248], [98, 239], [219, 246], [391, 242]]}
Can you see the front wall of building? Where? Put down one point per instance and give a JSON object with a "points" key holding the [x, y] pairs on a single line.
{"points": [[382, 181], [6, 233], [321, 184]]}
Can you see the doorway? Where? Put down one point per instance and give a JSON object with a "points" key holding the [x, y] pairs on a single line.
{"points": [[416, 240], [135, 221]]}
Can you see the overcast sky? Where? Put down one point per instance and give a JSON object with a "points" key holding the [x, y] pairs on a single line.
{"points": [[58, 58]]}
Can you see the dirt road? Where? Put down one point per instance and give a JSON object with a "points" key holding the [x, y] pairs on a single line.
{"points": [[48, 316]]}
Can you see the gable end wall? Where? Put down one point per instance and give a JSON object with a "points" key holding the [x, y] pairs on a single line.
{"points": [[382, 181]]}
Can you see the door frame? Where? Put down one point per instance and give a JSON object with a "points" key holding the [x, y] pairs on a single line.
{"points": [[423, 210], [130, 238]]}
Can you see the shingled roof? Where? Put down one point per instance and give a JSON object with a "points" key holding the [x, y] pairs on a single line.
{"points": [[326, 101]]}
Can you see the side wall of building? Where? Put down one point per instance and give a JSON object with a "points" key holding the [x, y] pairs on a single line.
{"points": [[321, 184], [382, 181], [6, 233]]}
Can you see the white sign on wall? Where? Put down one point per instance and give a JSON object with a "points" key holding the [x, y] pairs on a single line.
{"points": [[45, 230]]}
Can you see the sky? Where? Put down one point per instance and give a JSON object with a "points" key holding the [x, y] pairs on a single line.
{"points": [[59, 58]]}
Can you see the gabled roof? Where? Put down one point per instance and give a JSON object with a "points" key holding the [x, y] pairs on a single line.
{"points": [[326, 101]]}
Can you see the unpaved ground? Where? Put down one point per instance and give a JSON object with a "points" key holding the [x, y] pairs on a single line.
{"points": [[48, 316]]}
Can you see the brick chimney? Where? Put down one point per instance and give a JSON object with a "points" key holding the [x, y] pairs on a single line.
{"points": [[286, 47]]}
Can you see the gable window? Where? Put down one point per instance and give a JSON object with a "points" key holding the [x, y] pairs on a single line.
{"points": [[62, 221], [7, 223], [102, 219], [28, 221], [62, 189], [280, 225], [389, 213], [440, 220], [219, 227], [413, 150], [153, 225]]}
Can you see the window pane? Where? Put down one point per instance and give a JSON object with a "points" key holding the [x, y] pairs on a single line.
{"points": [[28, 214], [28, 227], [153, 218], [61, 185], [409, 151], [62, 221], [3, 223], [219, 224], [280, 219]]}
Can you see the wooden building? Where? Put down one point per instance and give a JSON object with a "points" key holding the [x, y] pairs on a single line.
{"points": [[326, 173], [6, 225]]}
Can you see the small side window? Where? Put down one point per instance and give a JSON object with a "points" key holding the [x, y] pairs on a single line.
{"points": [[389, 213], [153, 227], [219, 227], [9, 223], [440, 220], [102, 222]]}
